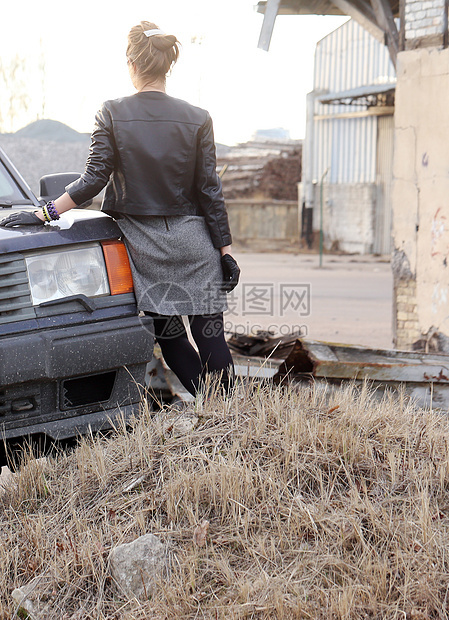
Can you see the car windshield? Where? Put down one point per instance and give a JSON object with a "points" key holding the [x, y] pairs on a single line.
{"points": [[10, 192]]}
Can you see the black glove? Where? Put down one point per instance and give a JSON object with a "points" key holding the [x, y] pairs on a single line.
{"points": [[231, 273], [23, 218]]}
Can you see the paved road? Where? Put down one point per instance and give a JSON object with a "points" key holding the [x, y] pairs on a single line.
{"points": [[348, 300]]}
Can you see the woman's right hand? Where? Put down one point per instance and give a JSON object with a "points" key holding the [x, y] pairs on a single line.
{"points": [[22, 218]]}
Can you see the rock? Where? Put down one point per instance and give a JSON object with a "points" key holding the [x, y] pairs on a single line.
{"points": [[33, 598], [175, 423], [184, 424], [136, 566], [20, 599]]}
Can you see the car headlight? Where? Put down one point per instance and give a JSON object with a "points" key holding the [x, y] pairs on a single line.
{"points": [[54, 275]]}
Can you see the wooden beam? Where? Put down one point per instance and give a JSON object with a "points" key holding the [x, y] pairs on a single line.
{"points": [[445, 24], [374, 111], [385, 19], [269, 19], [365, 18], [401, 25]]}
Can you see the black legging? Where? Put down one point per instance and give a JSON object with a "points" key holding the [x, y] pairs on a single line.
{"points": [[208, 334]]}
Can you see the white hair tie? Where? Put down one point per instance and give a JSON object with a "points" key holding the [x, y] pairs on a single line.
{"points": [[151, 33]]}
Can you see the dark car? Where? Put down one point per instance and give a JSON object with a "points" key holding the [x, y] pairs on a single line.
{"points": [[73, 350]]}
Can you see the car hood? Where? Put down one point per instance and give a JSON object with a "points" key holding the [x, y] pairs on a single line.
{"points": [[75, 226]]}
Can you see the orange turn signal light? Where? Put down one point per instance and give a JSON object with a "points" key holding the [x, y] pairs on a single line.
{"points": [[117, 265]]}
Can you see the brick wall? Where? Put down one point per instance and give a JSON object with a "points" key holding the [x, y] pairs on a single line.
{"points": [[406, 314], [424, 19]]}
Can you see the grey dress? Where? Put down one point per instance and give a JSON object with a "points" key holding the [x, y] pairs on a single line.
{"points": [[176, 268]]}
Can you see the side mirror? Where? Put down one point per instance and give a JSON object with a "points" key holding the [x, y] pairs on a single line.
{"points": [[51, 186]]}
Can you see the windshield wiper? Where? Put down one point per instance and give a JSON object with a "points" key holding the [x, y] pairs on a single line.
{"points": [[5, 204]]}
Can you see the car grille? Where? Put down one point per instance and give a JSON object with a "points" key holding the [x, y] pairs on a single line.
{"points": [[15, 299], [3, 403]]}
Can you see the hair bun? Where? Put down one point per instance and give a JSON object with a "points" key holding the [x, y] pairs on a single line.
{"points": [[163, 42], [153, 54]]}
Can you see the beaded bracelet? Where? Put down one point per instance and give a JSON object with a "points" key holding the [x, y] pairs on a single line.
{"points": [[45, 213], [49, 211]]}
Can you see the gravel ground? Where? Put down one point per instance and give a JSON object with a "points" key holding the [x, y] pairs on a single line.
{"points": [[36, 158]]}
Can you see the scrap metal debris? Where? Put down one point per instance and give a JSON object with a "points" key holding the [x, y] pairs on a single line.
{"points": [[263, 344], [423, 376]]}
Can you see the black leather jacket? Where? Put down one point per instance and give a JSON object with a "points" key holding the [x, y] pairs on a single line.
{"points": [[156, 156]]}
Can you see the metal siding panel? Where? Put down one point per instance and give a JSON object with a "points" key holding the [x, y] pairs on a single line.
{"points": [[348, 147], [322, 147], [342, 162], [341, 57], [327, 152], [317, 147], [359, 139], [346, 163], [348, 154], [347, 58], [367, 149], [357, 67], [363, 137], [382, 239], [333, 153], [350, 57], [356, 152]]}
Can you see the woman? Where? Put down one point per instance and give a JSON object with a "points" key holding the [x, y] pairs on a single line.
{"points": [[156, 156]]}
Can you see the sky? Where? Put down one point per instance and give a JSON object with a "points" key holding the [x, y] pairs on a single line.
{"points": [[73, 59]]}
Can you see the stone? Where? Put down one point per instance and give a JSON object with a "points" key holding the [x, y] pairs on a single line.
{"points": [[34, 597], [175, 422], [136, 566]]}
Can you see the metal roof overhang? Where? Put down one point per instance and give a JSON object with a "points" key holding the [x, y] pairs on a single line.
{"points": [[371, 95], [305, 7], [376, 16], [321, 7]]}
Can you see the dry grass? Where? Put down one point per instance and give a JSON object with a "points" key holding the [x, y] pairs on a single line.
{"points": [[322, 504]]}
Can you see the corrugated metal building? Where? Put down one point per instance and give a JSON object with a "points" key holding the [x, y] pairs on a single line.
{"points": [[348, 148]]}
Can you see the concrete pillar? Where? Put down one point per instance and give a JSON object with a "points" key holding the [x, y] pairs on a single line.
{"points": [[421, 197]]}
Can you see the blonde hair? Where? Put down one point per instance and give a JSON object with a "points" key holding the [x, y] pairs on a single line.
{"points": [[153, 56]]}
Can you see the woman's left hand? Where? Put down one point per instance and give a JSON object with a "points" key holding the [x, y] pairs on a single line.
{"points": [[231, 273]]}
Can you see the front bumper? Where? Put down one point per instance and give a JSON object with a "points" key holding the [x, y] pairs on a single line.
{"points": [[61, 381], [75, 350]]}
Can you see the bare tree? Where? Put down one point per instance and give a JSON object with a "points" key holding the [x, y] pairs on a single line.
{"points": [[14, 97], [42, 72]]}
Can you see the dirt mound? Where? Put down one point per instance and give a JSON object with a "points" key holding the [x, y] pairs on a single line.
{"points": [[46, 129]]}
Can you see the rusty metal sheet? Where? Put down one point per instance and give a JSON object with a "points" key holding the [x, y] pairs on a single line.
{"points": [[423, 377], [335, 361]]}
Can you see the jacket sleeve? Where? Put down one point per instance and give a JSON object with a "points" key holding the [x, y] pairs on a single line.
{"points": [[208, 187], [100, 162]]}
